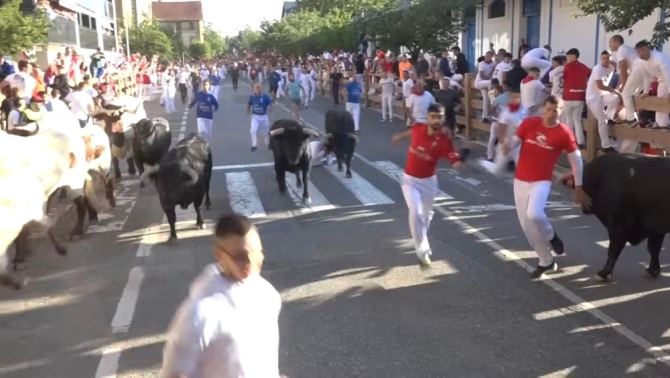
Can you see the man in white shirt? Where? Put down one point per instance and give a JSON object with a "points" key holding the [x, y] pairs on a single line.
{"points": [[655, 64], [556, 76], [407, 86], [204, 73], [81, 104], [533, 92], [387, 86], [320, 153], [183, 80], [630, 77], [23, 81], [539, 58], [599, 96], [418, 103], [502, 67], [483, 82], [227, 326], [306, 84]]}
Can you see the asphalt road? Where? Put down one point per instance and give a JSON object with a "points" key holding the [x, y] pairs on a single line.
{"points": [[355, 302]]}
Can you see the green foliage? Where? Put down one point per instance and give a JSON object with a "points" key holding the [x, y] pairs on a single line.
{"points": [[431, 25], [200, 50], [351, 7], [245, 40], [308, 31], [20, 31], [215, 41], [616, 15], [176, 41], [149, 39]]}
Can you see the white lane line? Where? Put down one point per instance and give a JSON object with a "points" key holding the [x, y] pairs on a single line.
{"points": [[506, 255], [240, 166], [395, 172], [366, 193], [126, 307], [244, 198], [319, 201], [181, 136], [503, 207], [109, 364], [606, 243], [183, 128]]}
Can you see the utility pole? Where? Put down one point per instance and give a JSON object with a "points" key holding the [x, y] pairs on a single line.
{"points": [[127, 32]]}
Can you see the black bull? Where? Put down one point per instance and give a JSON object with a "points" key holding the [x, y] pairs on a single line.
{"points": [[629, 194], [341, 137], [151, 142], [290, 146]]}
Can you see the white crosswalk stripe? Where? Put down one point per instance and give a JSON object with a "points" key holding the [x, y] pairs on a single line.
{"points": [[361, 188], [319, 201], [244, 198], [395, 172]]}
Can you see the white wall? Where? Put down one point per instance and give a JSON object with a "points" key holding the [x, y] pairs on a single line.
{"points": [[496, 30]]}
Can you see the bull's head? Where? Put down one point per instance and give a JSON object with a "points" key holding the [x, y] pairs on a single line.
{"points": [[144, 128], [23, 132], [293, 140], [110, 115]]}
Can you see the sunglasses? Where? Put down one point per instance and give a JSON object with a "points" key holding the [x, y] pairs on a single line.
{"points": [[237, 257]]}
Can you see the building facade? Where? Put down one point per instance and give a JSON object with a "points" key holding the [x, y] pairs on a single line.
{"points": [[288, 8], [183, 16], [133, 12], [504, 23]]}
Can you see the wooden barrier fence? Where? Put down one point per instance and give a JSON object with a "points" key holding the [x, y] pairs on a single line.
{"points": [[472, 106]]}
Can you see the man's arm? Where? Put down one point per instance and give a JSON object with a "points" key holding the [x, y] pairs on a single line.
{"points": [[623, 74], [184, 342], [215, 102], [398, 137], [249, 104], [194, 101]]}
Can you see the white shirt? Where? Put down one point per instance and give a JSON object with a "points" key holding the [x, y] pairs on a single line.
{"points": [[418, 106], [556, 80], [183, 77], [537, 53], [24, 82], [204, 74], [317, 152], [599, 72], [485, 69], [79, 102], [531, 94], [305, 80], [387, 86], [225, 329], [13, 119], [658, 65], [512, 119], [500, 70], [629, 54], [58, 106], [407, 88]]}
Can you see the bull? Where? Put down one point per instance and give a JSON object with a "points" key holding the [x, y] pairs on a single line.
{"points": [[183, 178], [151, 142], [341, 137], [290, 146], [630, 201]]}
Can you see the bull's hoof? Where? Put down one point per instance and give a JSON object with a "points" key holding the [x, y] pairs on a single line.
{"points": [[653, 273], [77, 232], [307, 199], [347, 175], [132, 173], [61, 250], [200, 226], [207, 206], [12, 282], [603, 276], [282, 189], [142, 185], [298, 184], [172, 241], [117, 176], [340, 169]]}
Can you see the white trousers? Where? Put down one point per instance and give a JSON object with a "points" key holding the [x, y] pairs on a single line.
{"points": [[304, 95], [387, 106], [530, 199], [493, 136], [205, 128], [597, 106], [313, 91], [355, 110], [484, 87], [215, 92], [499, 164], [262, 122], [420, 196], [572, 115], [528, 62], [634, 85], [169, 103], [280, 90]]}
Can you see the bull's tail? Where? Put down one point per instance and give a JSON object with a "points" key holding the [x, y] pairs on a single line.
{"points": [[149, 174]]}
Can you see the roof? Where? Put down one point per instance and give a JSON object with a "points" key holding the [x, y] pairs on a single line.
{"points": [[177, 10]]}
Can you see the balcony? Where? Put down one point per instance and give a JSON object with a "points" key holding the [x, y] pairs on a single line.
{"points": [[108, 42], [88, 39], [63, 31], [109, 10]]}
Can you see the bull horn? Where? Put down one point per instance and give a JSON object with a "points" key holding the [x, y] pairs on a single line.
{"points": [[23, 132], [353, 136], [194, 176], [310, 132], [277, 131], [147, 172], [328, 136]]}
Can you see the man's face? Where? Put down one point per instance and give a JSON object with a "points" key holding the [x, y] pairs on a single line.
{"points": [[488, 57], [257, 89], [550, 112], [614, 46], [435, 120], [643, 52], [240, 256], [605, 60], [570, 58], [205, 86]]}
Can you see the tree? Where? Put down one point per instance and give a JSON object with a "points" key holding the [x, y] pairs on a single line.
{"points": [[351, 7], [200, 50], [431, 25], [215, 41], [618, 15], [21, 31], [176, 41], [149, 39]]}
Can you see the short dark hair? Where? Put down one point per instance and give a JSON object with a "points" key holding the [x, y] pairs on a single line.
{"points": [[573, 51], [558, 59], [618, 38], [233, 224], [495, 82], [642, 43], [435, 108], [551, 100], [534, 69], [604, 52], [23, 64], [508, 55]]}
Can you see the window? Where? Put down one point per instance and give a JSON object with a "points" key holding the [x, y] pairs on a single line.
{"points": [[88, 22], [191, 25], [178, 25], [531, 8], [497, 9]]}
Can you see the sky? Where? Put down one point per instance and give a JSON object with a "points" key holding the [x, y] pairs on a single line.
{"points": [[231, 16]]}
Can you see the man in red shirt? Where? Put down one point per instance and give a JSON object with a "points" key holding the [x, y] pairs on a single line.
{"points": [[575, 78], [543, 140], [429, 143]]}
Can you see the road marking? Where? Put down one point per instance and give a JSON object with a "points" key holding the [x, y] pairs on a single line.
{"points": [[606, 243], [319, 201], [126, 197], [126, 307], [244, 198], [183, 128], [396, 173], [181, 136], [366, 193], [241, 166], [503, 207], [506, 256]]}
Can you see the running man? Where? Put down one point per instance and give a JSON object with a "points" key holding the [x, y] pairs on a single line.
{"points": [[258, 106], [207, 105], [274, 79], [295, 94], [543, 140], [235, 75], [215, 80], [429, 143]]}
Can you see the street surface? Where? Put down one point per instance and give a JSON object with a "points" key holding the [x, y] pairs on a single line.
{"points": [[355, 302]]}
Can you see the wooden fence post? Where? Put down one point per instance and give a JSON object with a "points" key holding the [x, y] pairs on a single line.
{"points": [[592, 136], [466, 103]]}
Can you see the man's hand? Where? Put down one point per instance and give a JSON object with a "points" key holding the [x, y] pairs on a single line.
{"points": [[581, 198], [457, 165]]}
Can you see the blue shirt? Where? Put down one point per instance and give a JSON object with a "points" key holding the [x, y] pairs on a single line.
{"points": [[259, 104], [354, 91], [294, 90], [207, 104], [501, 101], [274, 78], [214, 80]]}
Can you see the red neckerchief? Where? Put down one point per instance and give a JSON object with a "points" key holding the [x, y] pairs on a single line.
{"points": [[514, 107], [417, 92]]}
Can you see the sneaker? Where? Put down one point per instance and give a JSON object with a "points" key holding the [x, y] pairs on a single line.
{"points": [[253, 148], [383, 120], [391, 120], [540, 270], [425, 261], [557, 244]]}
